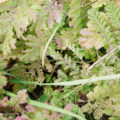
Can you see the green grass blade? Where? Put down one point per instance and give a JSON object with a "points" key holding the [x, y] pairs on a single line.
{"points": [[53, 108], [74, 82], [51, 37], [49, 107]]}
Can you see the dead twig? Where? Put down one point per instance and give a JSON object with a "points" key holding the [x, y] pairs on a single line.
{"points": [[100, 59]]}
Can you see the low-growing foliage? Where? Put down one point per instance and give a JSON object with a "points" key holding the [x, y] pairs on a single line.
{"points": [[59, 59]]}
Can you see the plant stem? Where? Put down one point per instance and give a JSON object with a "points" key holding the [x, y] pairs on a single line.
{"points": [[46, 106]]}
